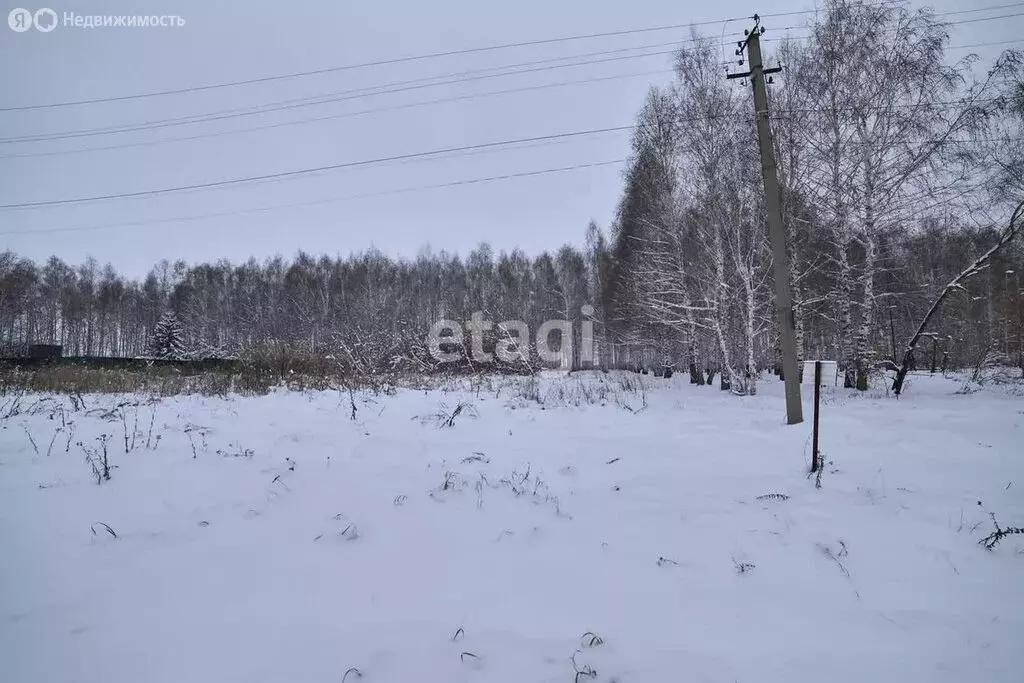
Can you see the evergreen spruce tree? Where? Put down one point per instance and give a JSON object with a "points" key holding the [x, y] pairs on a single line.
{"points": [[167, 340]]}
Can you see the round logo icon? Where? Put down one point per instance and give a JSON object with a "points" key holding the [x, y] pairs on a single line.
{"points": [[20, 19], [45, 20]]}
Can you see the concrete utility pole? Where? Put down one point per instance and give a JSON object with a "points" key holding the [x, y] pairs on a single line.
{"points": [[783, 296]]}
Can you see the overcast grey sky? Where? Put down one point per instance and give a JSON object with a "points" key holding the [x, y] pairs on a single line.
{"points": [[235, 40]]}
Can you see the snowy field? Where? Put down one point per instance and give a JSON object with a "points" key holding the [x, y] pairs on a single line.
{"points": [[578, 529]]}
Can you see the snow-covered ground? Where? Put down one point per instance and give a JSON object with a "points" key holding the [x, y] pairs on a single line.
{"points": [[275, 539]]}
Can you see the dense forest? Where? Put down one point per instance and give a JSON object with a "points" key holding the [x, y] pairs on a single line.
{"points": [[899, 166]]}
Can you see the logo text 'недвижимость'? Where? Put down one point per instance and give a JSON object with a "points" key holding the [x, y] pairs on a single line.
{"points": [[45, 20]]}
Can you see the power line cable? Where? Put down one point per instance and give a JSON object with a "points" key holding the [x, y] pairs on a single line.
{"points": [[302, 172], [406, 156], [361, 65], [331, 200], [990, 8], [286, 105], [975, 21], [347, 95], [343, 115], [420, 57], [375, 110]]}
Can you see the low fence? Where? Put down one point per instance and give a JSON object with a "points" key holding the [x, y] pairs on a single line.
{"points": [[131, 364]]}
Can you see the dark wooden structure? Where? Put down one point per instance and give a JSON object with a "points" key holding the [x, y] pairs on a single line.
{"points": [[45, 351]]}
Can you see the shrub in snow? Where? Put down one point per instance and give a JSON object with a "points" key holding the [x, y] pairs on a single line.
{"points": [[445, 417], [105, 526], [98, 459], [993, 539]]}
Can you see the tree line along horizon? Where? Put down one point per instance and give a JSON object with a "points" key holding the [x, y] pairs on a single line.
{"points": [[897, 169]]}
